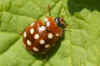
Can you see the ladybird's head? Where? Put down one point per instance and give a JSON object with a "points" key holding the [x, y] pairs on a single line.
{"points": [[60, 22]]}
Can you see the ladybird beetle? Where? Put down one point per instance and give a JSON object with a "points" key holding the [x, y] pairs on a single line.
{"points": [[39, 37]]}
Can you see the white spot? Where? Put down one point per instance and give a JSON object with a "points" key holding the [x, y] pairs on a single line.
{"points": [[42, 42], [48, 24], [57, 20], [46, 19], [50, 35], [36, 36], [57, 34], [31, 30], [47, 46], [35, 49], [25, 34], [42, 28], [32, 24], [28, 43]]}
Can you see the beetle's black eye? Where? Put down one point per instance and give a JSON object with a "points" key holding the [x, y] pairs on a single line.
{"points": [[60, 22], [57, 20]]}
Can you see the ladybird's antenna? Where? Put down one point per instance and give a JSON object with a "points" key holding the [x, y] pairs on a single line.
{"points": [[48, 11]]}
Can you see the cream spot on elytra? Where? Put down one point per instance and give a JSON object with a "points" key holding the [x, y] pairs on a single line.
{"points": [[57, 34], [48, 24], [25, 34], [42, 42], [50, 35], [47, 46], [28, 42], [35, 49], [42, 28], [31, 30], [36, 36]]}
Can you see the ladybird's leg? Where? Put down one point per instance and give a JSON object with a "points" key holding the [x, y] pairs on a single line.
{"points": [[48, 13], [21, 33]]}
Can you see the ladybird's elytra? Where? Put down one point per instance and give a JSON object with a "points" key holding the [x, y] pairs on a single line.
{"points": [[39, 37]]}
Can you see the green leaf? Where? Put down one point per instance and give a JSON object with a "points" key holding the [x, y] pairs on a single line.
{"points": [[84, 38], [81, 43]]}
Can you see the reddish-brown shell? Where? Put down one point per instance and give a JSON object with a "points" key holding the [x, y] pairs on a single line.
{"points": [[39, 38]]}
